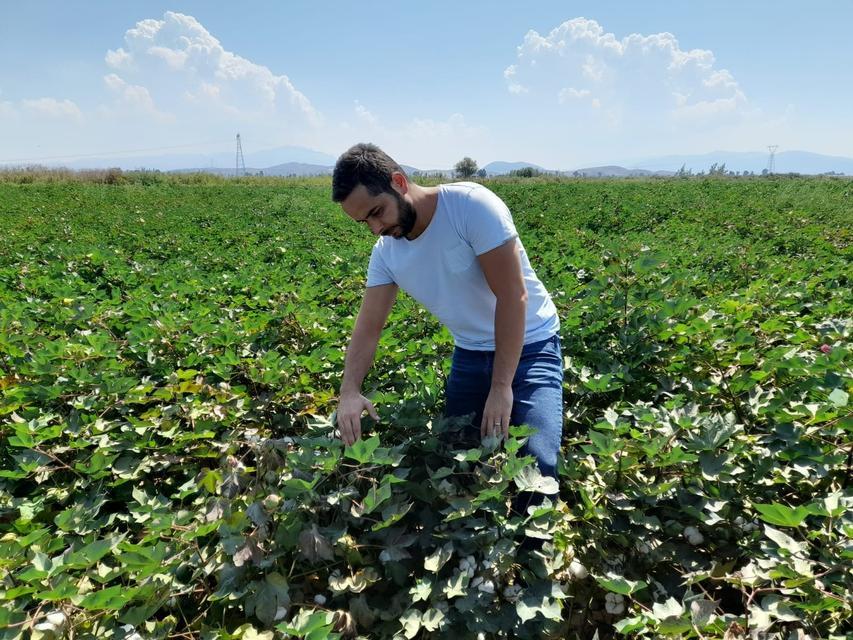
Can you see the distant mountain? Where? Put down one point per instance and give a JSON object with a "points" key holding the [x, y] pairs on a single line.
{"points": [[613, 171], [786, 162], [297, 169], [217, 171], [301, 161], [499, 167], [285, 169], [285, 155], [220, 162]]}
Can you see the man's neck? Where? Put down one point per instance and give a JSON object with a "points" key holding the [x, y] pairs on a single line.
{"points": [[425, 201]]}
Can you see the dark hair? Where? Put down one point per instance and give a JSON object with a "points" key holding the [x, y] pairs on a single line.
{"points": [[366, 164]]}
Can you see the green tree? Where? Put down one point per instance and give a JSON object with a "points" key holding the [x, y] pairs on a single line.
{"points": [[525, 172], [465, 168]]}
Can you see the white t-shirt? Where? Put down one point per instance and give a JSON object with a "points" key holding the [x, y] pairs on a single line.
{"points": [[440, 270]]}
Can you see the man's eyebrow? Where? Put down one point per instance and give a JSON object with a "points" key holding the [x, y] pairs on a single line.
{"points": [[369, 213]]}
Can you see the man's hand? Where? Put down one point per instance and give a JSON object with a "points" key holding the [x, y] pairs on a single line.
{"points": [[497, 412], [350, 408]]}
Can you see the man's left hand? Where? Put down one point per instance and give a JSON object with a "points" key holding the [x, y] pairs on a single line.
{"points": [[496, 413]]}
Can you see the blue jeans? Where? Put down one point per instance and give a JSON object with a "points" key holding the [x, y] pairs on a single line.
{"points": [[537, 390]]}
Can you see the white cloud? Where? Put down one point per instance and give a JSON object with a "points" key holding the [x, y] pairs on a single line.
{"points": [[7, 110], [117, 59], [184, 68], [570, 93], [364, 115], [53, 108], [133, 100], [638, 79], [455, 127], [509, 74], [427, 143]]}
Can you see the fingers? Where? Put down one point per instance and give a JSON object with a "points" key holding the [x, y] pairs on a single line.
{"points": [[494, 425], [349, 419], [350, 428], [345, 429], [371, 410]]}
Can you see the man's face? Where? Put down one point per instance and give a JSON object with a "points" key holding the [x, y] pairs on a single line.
{"points": [[386, 214]]}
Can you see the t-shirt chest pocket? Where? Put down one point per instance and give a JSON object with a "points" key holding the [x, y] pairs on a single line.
{"points": [[459, 257]]}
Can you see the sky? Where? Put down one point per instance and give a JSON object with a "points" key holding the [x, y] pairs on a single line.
{"points": [[559, 84]]}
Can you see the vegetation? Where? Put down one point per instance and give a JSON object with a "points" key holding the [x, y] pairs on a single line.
{"points": [[526, 172], [465, 168], [169, 357]]}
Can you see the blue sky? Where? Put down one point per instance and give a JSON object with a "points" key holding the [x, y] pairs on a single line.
{"points": [[561, 84]]}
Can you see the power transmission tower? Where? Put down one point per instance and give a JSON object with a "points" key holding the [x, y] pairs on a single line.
{"points": [[241, 163], [771, 162]]}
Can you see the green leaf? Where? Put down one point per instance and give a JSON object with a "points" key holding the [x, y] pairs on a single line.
{"points": [[88, 555], [309, 624], [432, 619], [411, 622], [362, 450], [671, 607], [646, 263], [421, 590], [376, 496], [113, 598], [619, 584], [533, 604], [438, 558], [211, 480], [839, 398], [531, 479], [784, 540], [702, 610], [782, 515], [629, 625], [456, 586]]}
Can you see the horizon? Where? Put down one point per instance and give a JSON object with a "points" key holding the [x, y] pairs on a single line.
{"points": [[676, 163], [559, 87]]}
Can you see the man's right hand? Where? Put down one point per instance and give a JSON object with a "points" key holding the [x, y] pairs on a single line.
{"points": [[350, 408]]}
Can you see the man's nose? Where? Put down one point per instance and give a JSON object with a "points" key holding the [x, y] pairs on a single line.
{"points": [[375, 226]]}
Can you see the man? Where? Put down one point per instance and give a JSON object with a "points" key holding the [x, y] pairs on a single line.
{"points": [[454, 249]]}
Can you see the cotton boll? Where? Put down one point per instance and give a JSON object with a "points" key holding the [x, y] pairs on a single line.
{"points": [[512, 592], [280, 613], [487, 587], [693, 535], [578, 571], [45, 628], [614, 603], [320, 599], [57, 619]]}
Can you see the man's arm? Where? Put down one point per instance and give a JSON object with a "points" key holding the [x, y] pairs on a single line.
{"points": [[502, 269], [374, 311]]}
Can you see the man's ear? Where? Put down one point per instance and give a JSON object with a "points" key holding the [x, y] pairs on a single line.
{"points": [[399, 183]]}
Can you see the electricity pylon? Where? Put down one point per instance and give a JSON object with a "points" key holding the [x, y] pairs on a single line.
{"points": [[771, 162], [240, 163]]}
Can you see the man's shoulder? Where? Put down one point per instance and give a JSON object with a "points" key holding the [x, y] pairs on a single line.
{"points": [[462, 187], [466, 193]]}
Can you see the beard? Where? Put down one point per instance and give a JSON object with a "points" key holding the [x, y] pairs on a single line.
{"points": [[406, 215]]}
